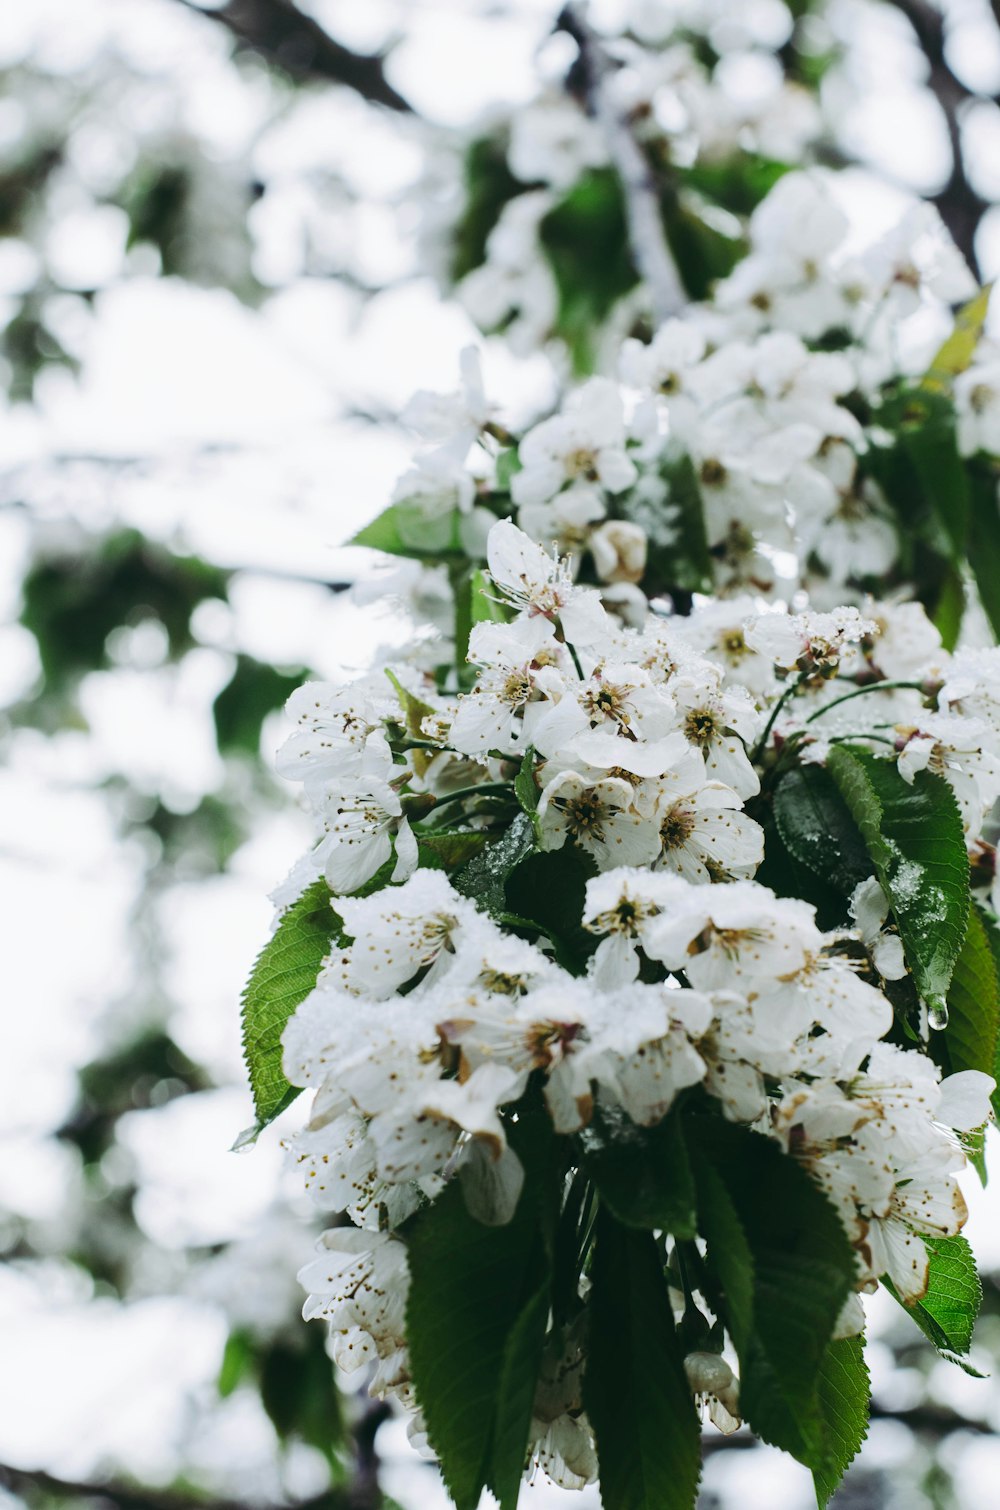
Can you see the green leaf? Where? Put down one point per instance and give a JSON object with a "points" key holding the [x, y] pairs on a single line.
{"points": [[677, 545], [549, 890], [237, 1361], [443, 849], [414, 709], [283, 975], [508, 465], [782, 1267], [949, 607], [738, 181], [475, 1322], [932, 467], [816, 827], [948, 1311], [484, 876], [635, 1391], [526, 788], [298, 1389], [254, 690], [404, 530], [970, 1040], [844, 1395], [956, 354], [489, 184], [706, 242], [643, 1173], [915, 838], [586, 242], [486, 608], [984, 542]]}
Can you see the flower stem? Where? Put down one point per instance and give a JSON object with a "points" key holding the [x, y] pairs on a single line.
{"points": [[860, 692], [789, 691], [488, 789]]}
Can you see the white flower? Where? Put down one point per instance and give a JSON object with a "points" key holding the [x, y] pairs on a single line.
{"points": [[359, 1284], [869, 907], [552, 141], [400, 933], [542, 586], [586, 440], [335, 725], [918, 255], [954, 748], [977, 405], [704, 839], [599, 817], [715, 1388], [925, 1200], [811, 642], [566, 521], [720, 724], [665, 368], [435, 487], [623, 904], [454, 419], [517, 666], [361, 819], [739, 937], [619, 550]]}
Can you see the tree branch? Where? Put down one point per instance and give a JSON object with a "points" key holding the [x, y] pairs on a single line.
{"points": [[960, 206], [25, 1482], [653, 258], [302, 48]]}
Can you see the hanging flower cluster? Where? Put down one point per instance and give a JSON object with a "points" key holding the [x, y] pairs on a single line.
{"points": [[644, 967], [606, 929]]}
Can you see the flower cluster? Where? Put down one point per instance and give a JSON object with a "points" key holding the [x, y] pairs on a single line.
{"points": [[622, 761], [731, 454]]}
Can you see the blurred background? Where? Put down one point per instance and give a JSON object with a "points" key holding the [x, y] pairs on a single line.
{"points": [[233, 240]]}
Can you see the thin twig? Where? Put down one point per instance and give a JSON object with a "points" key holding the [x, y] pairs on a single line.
{"points": [[653, 258]]}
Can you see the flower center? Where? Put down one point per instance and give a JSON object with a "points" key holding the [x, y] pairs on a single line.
{"points": [[677, 827]]}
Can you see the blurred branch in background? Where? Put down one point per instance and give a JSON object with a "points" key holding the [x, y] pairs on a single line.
{"points": [[299, 46], [962, 207]]}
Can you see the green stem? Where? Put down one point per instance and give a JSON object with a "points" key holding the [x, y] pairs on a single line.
{"points": [[879, 739], [861, 692], [789, 691], [488, 789]]}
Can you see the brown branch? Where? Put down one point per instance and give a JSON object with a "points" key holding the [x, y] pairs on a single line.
{"points": [[25, 1482], [654, 260], [297, 44], [961, 207]]}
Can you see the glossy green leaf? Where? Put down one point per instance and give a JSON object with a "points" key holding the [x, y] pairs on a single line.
{"points": [[915, 838], [816, 827], [484, 877], [283, 975], [446, 849], [984, 541], [844, 1396], [948, 1311], [970, 1039], [549, 890], [635, 1391], [782, 1268], [475, 1323], [643, 1173]]}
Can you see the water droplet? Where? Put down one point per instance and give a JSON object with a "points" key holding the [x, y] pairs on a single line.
{"points": [[937, 1012]]}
